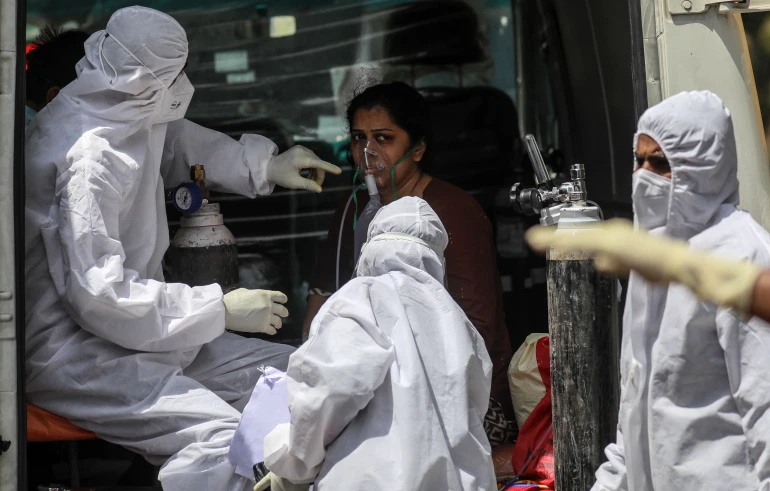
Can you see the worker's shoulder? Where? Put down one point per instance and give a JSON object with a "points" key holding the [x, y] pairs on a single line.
{"points": [[451, 203], [736, 235]]}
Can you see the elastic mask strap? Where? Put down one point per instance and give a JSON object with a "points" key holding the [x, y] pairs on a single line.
{"points": [[134, 57], [102, 59], [393, 168]]}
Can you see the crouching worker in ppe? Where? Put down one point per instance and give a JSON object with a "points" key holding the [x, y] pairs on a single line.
{"points": [[111, 346], [391, 388], [695, 391]]}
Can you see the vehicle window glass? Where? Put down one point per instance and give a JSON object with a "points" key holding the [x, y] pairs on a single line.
{"points": [[286, 69]]}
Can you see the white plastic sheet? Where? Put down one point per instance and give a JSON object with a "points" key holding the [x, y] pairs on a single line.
{"points": [[267, 408]]}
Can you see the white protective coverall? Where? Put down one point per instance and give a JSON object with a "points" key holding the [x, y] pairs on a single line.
{"points": [[695, 384], [391, 388], [110, 346]]}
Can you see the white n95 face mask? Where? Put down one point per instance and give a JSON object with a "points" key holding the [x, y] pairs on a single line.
{"points": [[175, 101], [650, 196]]}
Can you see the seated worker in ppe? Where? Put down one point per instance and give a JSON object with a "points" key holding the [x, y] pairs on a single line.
{"points": [[391, 388], [618, 249], [694, 376], [111, 346], [390, 133], [51, 66]]}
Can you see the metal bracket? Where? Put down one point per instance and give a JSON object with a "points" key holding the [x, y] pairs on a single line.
{"points": [[682, 7], [745, 6]]}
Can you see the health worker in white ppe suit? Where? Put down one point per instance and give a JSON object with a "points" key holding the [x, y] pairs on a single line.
{"points": [[111, 346], [695, 389], [391, 388]]}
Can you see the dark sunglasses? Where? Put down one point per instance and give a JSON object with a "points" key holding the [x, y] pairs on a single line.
{"points": [[656, 161]]}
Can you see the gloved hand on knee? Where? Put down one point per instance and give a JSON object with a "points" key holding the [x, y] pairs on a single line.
{"points": [[277, 483], [255, 311]]}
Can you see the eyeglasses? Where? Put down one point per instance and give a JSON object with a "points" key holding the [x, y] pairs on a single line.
{"points": [[657, 162]]}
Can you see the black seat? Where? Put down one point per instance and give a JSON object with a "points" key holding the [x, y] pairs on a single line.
{"points": [[476, 142]]}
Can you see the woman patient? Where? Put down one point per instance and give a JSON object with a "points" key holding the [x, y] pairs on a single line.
{"points": [[394, 120], [391, 388]]}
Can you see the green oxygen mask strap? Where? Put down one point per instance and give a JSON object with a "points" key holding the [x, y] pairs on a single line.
{"points": [[393, 168]]}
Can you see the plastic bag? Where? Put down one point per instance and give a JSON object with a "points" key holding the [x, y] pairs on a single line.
{"points": [[524, 380], [533, 454]]}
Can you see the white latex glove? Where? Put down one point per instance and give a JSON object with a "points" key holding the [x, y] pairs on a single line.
{"points": [[619, 248], [283, 169], [277, 483], [255, 310]]}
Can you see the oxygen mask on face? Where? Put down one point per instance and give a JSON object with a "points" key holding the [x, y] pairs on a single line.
{"points": [[373, 164]]}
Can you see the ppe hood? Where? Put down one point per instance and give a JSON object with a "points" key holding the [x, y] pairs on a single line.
{"points": [[695, 132], [127, 65], [411, 240]]}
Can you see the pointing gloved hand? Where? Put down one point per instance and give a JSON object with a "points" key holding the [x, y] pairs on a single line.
{"points": [[619, 248], [277, 483], [284, 169], [255, 310]]}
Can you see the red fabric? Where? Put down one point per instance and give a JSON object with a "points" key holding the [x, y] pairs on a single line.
{"points": [[43, 426], [29, 48], [533, 454]]}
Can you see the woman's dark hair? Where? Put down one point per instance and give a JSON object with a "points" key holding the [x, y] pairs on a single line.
{"points": [[407, 108]]}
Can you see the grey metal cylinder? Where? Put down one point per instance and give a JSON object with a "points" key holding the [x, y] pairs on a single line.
{"points": [[203, 251], [584, 337]]}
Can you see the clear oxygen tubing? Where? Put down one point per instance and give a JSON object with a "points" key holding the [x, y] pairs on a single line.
{"points": [[339, 239], [371, 186]]}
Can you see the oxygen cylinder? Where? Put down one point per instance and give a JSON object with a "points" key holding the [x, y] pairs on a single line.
{"points": [[582, 315], [203, 250], [583, 325]]}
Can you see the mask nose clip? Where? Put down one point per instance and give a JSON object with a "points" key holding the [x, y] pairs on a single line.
{"points": [[372, 162]]}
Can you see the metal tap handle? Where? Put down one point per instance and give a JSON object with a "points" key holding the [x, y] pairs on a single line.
{"points": [[578, 174], [541, 173]]}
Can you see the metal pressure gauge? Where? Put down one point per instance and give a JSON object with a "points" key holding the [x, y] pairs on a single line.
{"points": [[188, 197]]}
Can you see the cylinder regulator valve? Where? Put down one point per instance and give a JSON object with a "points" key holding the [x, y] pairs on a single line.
{"points": [[188, 197], [552, 202]]}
